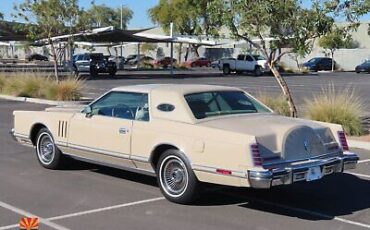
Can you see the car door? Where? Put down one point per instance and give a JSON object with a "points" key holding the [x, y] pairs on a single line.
{"points": [[83, 63], [325, 64], [241, 64], [103, 130], [250, 63]]}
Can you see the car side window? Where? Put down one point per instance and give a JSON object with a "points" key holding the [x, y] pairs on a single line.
{"points": [[249, 58], [326, 61], [125, 105], [241, 57]]}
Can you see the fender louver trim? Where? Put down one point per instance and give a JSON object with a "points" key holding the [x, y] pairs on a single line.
{"points": [[62, 129]]}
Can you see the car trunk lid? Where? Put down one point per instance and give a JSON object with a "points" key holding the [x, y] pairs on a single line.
{"points": [[280, 139]]}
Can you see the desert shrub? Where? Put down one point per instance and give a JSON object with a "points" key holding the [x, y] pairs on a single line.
{"points": [[13, 86], [181, 66], [277, 103], [68, 89], [2, 82], [33, 85], [342, 107], [147, 65]]}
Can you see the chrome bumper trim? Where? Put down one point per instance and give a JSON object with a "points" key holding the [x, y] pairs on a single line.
{"points": [[21, 138], [13, 135], [298, 172]]}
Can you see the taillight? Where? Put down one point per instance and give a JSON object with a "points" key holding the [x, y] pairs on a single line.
{"points": [[343, 140], [256, 156]]}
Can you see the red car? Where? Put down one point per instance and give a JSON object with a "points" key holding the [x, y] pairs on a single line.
{"points": [[165, 62], [198, 62]]}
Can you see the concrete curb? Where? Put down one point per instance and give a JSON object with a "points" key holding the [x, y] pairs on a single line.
{"points": [[359, 144], [42, 101]]}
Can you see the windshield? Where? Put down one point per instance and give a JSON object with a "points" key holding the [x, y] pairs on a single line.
{"points": [[96, 56], [217, 103], [313, 60]]}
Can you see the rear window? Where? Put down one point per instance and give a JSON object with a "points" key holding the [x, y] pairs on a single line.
{"points": [[218, 103]]}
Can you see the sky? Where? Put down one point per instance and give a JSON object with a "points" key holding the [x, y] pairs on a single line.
{"points": [[139, 7]]}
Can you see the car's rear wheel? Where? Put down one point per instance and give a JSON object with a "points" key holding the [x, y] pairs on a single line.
{"points": [[93, 73], [226, 69], [48, 154], [176, 179]]}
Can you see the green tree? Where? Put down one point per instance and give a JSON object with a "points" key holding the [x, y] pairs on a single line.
{"points": [[351, 10], [147, 47], [190, 17], [336, 39], [103, 16], [48, 18], [276, 25]]}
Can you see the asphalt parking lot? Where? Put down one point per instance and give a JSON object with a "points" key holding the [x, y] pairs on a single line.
{"points": [[85, 196], [302, 86]]}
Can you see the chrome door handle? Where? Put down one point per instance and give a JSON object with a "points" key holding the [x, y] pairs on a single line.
{"points": [[123, 130]]}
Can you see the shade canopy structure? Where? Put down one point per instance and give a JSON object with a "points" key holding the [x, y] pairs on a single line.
{"points": [[112, 35], [102, 35], [12, 31]]}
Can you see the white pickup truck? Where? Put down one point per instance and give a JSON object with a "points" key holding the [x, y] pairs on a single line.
{"points": [[245, 63]]}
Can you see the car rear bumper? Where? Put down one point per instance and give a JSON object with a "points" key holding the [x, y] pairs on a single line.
{"points": [[300, 172], [20, 138]]}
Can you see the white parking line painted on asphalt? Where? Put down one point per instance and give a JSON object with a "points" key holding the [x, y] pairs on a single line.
{"points": [[48, 220], [359, 175], [28, 214], [312, 213], [105, 209], [364, 161]]}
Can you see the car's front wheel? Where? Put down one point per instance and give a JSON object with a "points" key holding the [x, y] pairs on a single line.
{"points": [[257, 71], [48, 154], [176, 179]]}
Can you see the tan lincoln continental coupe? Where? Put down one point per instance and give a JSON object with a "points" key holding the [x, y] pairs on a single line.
{"points": [[186, 135]]}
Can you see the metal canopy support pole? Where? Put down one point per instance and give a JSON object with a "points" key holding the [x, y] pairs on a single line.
{"points": [[171, 58], [171, 31], [138, 55], [121, 29]]}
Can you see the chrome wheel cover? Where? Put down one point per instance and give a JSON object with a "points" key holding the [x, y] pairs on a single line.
{"points": [[174, 177], [45, 148]]}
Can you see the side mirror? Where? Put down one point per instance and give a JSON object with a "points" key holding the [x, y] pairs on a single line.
{"points": [[88, 111]]}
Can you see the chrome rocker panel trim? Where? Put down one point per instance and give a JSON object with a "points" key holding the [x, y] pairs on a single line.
{"points": [[298, 172]]}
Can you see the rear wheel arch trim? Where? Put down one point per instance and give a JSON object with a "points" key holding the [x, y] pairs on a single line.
{"points": [[154, 155], [35, 130]]}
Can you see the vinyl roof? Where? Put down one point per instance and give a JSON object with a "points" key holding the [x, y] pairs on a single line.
{"points": [[179, 88]]}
